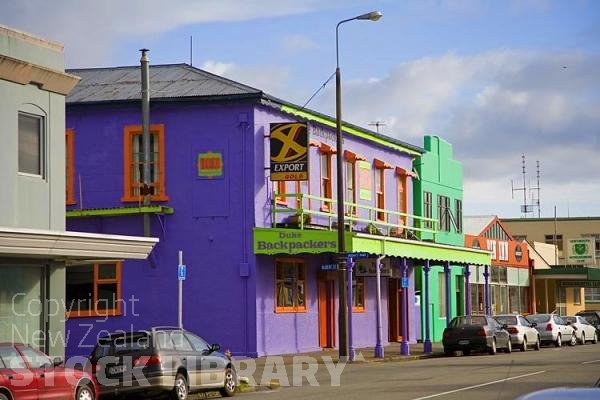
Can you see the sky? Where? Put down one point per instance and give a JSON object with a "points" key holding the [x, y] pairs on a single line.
{"points": [[504, 81]]}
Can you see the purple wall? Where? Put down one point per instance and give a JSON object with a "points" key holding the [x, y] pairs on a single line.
{"points": [[228, 294]]}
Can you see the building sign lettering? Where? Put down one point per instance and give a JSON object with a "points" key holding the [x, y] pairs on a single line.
{"points": [[289, 151], [287, 241], [210, 164]]}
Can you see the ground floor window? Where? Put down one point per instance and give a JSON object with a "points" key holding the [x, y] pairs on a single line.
{"points": [[592, 295], [477, 298], [21, 304], [94, 289], [358, 294], [290, 285]]}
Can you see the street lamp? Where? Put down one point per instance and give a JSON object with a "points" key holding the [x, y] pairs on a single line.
{"points": [[342, 277]]}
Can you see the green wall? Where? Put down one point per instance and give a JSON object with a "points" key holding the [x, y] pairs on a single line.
{"points": [[439, 174]]}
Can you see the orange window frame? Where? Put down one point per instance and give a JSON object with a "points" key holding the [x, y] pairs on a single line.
{"points": [[281, 189], [358, 281], [380, 192], [128, 182], [298, 277], [402, 199], [326, 184], [351, 194], [298, 186], [70, 166], [98, 282]]}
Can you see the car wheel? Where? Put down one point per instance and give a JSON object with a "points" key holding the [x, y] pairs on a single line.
{"points": [[180, 390], [3, 397], [573, 341], [84, 393], [558, 342], [449, 353], [492, 348], [508, 348], [466, 352], [582, 338], [524, 344], [595, 339], [230, 383], [538, 344]]}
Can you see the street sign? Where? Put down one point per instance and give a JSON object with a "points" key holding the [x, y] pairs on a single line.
{"points": [[404, 282], [359, 255], [181, 272], [329, 267]]}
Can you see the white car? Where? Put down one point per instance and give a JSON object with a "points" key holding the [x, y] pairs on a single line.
{"points": [[522, 332], [553, 329], [584, 331]]}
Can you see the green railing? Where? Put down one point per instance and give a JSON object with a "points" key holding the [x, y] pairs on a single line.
{"points": [[313, 212]]}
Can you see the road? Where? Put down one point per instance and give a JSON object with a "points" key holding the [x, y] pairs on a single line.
{"points": [[503, 376]]}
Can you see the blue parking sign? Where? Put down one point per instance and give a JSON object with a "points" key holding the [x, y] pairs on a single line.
{"points": [[181, 272], [404, 282]]}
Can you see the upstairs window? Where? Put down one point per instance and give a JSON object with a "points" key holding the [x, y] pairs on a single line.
{"points": [[134, 164], [302, 187], [402, 199], [70, 167], [279, 191], [556, 240], [358, 294], [351, 187], [32, 143], [428, 209], [444, 213], [326, 185], [94, 289], [458, 212]]}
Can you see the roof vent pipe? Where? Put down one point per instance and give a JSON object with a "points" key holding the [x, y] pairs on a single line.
{"points": [[145, 189]]}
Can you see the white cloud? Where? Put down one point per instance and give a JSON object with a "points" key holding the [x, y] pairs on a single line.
{"points": [[269, 78], [294, 43]]}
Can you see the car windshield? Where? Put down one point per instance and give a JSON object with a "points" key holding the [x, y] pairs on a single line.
{"points": [[591, 317], [132, 343], [465, 320], [538, 318], [506, 319], [569, 319]]}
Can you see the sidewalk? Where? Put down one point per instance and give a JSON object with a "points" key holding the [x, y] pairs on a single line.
{"points": [[362, 355]]}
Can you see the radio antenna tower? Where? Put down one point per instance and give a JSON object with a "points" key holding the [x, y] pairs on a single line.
{"points": [[535, 201]]}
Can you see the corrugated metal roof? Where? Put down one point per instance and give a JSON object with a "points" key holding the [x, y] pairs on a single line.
{"points": [[473, 225], [167, 81]]}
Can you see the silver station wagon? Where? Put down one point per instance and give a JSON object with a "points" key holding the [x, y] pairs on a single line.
{"points": [[161, 361]]}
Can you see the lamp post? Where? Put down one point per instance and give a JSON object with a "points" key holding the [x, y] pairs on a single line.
{"points": [[342, 278]]}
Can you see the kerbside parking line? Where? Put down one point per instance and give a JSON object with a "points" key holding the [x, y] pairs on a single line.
{"points": [[480, 385]]}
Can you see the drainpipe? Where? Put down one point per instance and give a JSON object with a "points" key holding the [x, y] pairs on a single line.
{"points": [[427, 347], [447, 279], [350, 266], [378, 345], [146, 136], [404, 349], [467, 289], [486, 288]]}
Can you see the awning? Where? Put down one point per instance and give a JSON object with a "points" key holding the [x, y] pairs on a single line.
{"points": [[273, 241], [72, 246], [394, 247], [568, 273]]}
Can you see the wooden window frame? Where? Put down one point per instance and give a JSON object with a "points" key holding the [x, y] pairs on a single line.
{"points": [[326, 181], [298, 187], [379, 195], [128, 132], [97, 281], [295, 308], [363, 284], [281, 189], [350, 168], [428, 208], [402, 199], [70, 167]]}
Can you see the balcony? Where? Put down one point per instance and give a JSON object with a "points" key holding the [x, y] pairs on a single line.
{"points": [[313, 212]]}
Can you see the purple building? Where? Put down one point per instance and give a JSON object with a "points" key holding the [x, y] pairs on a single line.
{"points": [[260, 253]]}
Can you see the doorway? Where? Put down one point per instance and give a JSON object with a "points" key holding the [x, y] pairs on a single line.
{"points": [[327, 313], [395, 310]]}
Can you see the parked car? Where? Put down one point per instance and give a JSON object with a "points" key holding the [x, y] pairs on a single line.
{"points": [[584, 331], [562, 393], [593, 317], [27, 373], [162, 360], [553, 329], [522, 332], [475, 333]]}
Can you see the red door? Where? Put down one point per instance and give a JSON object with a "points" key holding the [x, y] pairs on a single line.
{"points": [[16, 376], [52, 382], [326, 313], [395, 310]]}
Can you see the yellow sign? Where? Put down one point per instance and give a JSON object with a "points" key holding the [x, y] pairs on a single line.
{"points": [[289, 151]]}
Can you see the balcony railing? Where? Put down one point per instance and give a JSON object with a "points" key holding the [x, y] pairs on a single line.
{"points": [[314, 212]]}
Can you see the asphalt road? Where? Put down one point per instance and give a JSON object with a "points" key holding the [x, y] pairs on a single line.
{"points": [[503, 376]]}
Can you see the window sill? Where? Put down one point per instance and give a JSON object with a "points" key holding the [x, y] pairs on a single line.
{"points": [[139, 199], [358, 309], [91, 313], [290, 310]]}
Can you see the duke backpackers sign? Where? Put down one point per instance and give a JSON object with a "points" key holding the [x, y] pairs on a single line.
{"points": [[289, 151]]}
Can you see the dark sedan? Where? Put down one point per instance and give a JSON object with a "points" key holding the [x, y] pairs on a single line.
{"points": [[475, 333]]}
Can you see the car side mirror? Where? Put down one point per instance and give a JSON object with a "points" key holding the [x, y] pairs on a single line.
{"points": [[533, 324], [505, 326], [57, 361], [215, 347]]}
